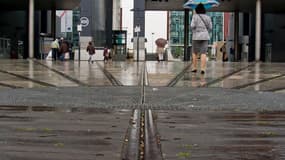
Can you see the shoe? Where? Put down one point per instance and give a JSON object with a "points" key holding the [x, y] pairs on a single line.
{"points": [[194, 70], [202, 72], [92, 62]]}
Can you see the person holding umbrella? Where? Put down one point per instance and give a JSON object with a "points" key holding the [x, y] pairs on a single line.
{"points": [[160, 43], [201, 24]]}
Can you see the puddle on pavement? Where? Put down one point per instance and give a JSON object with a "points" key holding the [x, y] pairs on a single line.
{"points": [[14, 118], [87, 110], [13, 108], [43, 109]]}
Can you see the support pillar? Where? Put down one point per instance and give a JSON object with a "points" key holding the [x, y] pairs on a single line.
{"points": [[186, 35], [53, 23], [258, 30], [139, 22], [236, 35], [139, 16], [31, 28]]}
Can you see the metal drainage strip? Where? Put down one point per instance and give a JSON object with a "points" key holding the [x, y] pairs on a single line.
{"points": [[141, 142]]}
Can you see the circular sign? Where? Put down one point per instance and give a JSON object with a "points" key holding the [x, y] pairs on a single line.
{"points": [[84, 21]]}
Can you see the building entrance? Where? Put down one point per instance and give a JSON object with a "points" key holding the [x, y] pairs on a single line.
{"points": [[12, 34]]}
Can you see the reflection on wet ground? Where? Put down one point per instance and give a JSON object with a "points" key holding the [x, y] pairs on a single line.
{"points": [[84, 111], [249, 76]]}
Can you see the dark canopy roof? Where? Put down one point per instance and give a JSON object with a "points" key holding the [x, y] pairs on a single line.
{"points": [[225, 5], [39, 4]]}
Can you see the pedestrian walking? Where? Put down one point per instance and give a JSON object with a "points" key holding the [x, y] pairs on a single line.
{"points": [[160, 43], [106, 54], [91, 51], [160, 52], [55, 49], [201, 24], [64, 51]]}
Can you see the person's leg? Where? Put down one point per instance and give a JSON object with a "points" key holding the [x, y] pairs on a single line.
{"points": [[89, 58], [194, 62], [53, 54], [61, 57], [203, 63]]}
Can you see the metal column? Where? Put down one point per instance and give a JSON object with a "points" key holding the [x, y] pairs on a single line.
{"points": [[186, 35], [236, 35], [258, 30], [139, 16], [31, 28], [53, 23]]}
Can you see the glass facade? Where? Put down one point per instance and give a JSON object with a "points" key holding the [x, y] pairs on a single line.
{"points": [[13, 34], [177, 30]]}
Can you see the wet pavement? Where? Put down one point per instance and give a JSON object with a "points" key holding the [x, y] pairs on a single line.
{"points": [[70, 110], [222, 135], [36, 74], [47, 133]]}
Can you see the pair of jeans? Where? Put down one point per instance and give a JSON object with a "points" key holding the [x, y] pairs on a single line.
{"points": [[54, 53]]}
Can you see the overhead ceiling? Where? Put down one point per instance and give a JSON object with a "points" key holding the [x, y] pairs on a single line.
{"points": [[39, 4], [225, 5]]}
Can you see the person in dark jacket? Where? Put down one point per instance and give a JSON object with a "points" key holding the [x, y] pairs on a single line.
{"points": [[64, 51], [106, 54], [91, 51]]}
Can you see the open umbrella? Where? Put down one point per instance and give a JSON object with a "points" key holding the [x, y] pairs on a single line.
{"points": [[161, 42], [192, 4]]}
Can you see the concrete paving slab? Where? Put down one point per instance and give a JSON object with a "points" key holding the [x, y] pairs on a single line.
{"points": [[29, 69], [39, 134], [100, 97], [269, 85], [128, 73], [161, 73], [212, 99], [214, 71], [252, 74], [85, 72], [221, 135]]}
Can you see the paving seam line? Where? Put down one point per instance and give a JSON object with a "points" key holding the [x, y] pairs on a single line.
{"points": [[30, 79], [275, 89], [257, 82], [143, 80], [62, 74], [111, 78], [130, 149], [173, 82], [146, 77], [9, 85], [226, 76], [152, 147]]}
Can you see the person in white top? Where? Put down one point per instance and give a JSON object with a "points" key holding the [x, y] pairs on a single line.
{"points": [[201, 24]]}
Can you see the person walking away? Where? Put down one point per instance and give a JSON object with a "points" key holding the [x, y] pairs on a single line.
{"points": [[224, 51], [54, 48], [160, 52], [201, 24], [91, 51], [64, 50], [106, 54]]}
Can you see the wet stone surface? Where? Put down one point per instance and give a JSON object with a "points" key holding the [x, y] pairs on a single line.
{"points": [[213, 99], [98, 97], [222, 135], [41, 134]]}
